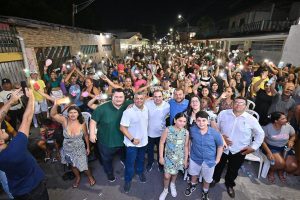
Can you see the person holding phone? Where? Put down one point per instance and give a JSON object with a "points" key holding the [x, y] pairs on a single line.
{"points": [[75, 149], [40, 102], [24, 175], [237, 127], [16, 110]]}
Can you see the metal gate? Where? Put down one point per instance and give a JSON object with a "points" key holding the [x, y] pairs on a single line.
{"points": [[11, 59]]}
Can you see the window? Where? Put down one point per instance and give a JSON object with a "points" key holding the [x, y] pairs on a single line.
{"points": [[107, 47], [89, 49], [271, 45], [58, 55], [233, 25], [242, 22]]}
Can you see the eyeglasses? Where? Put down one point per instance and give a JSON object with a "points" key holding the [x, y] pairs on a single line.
{"points": [[239, 103]]}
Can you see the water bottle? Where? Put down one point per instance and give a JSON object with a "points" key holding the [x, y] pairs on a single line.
{"points": [[285, 152]]}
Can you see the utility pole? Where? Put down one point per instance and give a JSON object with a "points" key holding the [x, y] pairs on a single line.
{"points": [[76, 8]]}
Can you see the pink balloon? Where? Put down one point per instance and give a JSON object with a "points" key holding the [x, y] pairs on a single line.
{"points": [[64, 68], [48, 62], [85, 94]]}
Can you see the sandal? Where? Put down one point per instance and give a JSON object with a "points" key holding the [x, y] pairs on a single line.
{"points": [[282, 177], [93, 182], [76, 184], [271, 178]]}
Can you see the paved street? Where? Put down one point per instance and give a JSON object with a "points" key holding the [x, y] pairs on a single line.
{"points": [[248, 187]]}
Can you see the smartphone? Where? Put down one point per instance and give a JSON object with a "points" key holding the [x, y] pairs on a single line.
{"points": [[23, 85], [280, 64]]}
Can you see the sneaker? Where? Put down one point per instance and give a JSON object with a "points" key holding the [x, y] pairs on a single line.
{"points": [[142, 178], [173, 189], [163, 195], [190, 189], [111, 178], [122, 163], [149, 167], [127, 187], [46, 159], [204, 195]]}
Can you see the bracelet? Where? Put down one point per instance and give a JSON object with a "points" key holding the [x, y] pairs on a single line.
{"points": [[132, 140]]}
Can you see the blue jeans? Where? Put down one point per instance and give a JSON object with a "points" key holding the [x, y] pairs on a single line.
{"points": [[107, 155], [134, 155], [4, 183], [150, 150]]}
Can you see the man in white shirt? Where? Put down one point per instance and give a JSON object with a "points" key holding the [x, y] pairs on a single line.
{"points": [[134, 125], [158, 111], [238, 129]]}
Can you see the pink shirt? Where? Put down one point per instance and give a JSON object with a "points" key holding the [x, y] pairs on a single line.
{"points": [[138, 83]]}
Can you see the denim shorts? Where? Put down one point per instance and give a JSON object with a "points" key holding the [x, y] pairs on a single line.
{"points": [[275, 149]]}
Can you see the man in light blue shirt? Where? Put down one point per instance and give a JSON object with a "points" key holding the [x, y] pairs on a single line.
{"points": [[178, 104]]}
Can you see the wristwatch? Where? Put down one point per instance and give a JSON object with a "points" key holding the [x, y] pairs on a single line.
{"points": [[132, 140]]}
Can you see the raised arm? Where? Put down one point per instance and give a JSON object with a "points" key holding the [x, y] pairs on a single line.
{"points": [[91, 104], [69, 75], [110, 82], [15, 96], [55, 116], [28, 114]]}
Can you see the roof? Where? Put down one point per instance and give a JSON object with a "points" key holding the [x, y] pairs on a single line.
{"points": [[126, 35], [17, 21]]}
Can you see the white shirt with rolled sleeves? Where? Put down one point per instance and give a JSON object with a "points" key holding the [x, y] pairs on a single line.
{"points": [[136, 120], [157, 118], [240, 130]]}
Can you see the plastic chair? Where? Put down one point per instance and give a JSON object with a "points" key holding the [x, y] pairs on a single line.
{"points": [[250, 105], [253, 113], [87, 118], [257, 156]]}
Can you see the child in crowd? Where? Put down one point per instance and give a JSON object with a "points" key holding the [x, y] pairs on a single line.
{"points": [[176, 138], [50, 135], [206, 147]]}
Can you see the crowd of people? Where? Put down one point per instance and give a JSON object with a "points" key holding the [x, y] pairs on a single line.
{"points": [[203, 109]]}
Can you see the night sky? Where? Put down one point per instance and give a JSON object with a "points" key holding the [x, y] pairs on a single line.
{"points": [[142, 16]]}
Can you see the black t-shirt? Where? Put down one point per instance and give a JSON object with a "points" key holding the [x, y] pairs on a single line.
{"points": [[262, 104]]}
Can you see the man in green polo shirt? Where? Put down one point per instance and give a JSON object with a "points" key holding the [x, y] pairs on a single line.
{"points": [[109, 138]]}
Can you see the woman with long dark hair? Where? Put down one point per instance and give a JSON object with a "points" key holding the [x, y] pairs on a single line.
{"points": [[74, 151], [278, 144]]}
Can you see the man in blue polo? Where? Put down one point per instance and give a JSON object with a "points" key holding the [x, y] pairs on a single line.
{"points": [[205, 152], [177, 104]]}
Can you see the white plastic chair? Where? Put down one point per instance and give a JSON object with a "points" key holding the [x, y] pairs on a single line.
{"points": [[253, 113], [257, 156], [87, 118], [250, 105]]}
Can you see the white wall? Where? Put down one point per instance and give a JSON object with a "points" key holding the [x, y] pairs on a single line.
{"points": [[292, 46]]}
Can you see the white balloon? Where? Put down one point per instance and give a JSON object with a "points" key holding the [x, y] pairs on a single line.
{"points": [[48, 62]]}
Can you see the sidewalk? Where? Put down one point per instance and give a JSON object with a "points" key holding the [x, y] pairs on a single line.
{"points": [[248, 186]]}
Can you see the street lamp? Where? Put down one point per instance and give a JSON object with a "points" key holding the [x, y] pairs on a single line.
{"points": [[76, 8], [181, 18], [171, 29]]}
